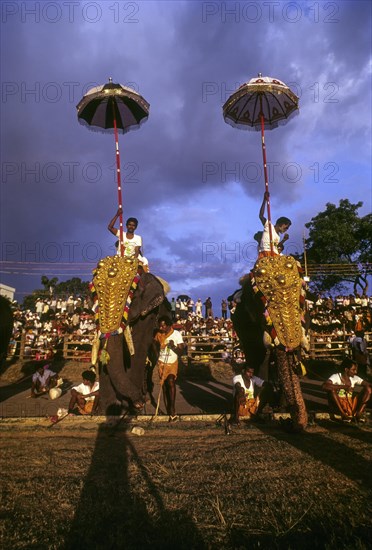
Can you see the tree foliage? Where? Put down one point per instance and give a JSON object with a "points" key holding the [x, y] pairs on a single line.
{"points": [[73, 287], [339, 236], [49, 283]]}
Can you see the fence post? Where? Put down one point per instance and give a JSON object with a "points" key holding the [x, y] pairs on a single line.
{"points": [[22, 345], [312, 346], [64, 351]]}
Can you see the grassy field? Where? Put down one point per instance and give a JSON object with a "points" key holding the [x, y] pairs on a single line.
{"points": [[83, 485]]}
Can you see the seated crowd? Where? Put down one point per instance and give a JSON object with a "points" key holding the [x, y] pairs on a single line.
{"points": [[46, 325], [251, 394]]}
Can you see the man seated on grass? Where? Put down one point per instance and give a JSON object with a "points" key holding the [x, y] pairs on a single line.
{"points": [[85, 396], [341, 396], [250, 393], [43, 380]]}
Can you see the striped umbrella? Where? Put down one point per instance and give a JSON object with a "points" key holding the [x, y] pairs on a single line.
{"points": [[117, 108], [262, 103]]}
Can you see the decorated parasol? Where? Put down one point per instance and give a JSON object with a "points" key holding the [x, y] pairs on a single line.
{"points": [[113, 108], [262, 103]]}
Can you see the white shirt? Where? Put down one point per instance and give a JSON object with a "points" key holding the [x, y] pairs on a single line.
{"points": [[129, 244], [42, 378], [166, 355], [337, 381], [85, 390], [265, 240], [249, 391], [359, 344]]}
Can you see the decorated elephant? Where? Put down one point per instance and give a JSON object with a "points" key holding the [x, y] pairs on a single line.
{"points": [[127, 303], [6, 327], [269, 316]]}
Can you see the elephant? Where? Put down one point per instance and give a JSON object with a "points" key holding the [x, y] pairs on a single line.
{"points": [[269, 316], [127, 311], [6, 327]]}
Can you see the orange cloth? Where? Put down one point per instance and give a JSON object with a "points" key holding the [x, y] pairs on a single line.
{"points": [[87, 409], [165, 369], [266, 253], [348, 404], [248, 406]]}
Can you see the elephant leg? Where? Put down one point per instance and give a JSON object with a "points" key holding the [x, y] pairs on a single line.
{"points": [[109, 402], [263, 371], [291, 389], [142, 335], [117, 371]]}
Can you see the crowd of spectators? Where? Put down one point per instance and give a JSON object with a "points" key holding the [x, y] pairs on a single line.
{"points": [[332, 321], [46, 325], [352, 312]]}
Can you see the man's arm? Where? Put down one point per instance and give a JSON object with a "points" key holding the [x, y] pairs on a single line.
{"points": [[111, 226], [330, 386], [140, 248], [33, 388], [284, 239], [91, 394], [239, 390], [177, 349], [262, 209]]}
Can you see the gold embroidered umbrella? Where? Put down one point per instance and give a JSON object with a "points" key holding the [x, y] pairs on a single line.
{"points": [[113, 108], [262, 103]]}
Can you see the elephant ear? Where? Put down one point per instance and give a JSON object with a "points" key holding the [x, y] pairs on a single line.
{"points": [[148, 295]]}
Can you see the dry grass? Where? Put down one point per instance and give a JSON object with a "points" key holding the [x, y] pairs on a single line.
{"points": [[185, 486]]}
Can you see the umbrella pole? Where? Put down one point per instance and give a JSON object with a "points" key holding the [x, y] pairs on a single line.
{"points": [[118, 176], [266, 178]]}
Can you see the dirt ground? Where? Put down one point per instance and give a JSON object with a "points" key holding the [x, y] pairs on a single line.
{"points": [[187, 485], [82, 484]]}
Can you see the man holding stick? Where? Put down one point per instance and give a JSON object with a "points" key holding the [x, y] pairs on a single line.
{"points": [[169, 346]]}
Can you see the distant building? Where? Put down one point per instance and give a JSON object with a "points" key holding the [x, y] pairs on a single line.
{"points": [[7, 291]]}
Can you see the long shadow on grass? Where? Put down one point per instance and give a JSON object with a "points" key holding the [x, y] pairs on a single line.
{"points": [[121, 507], [354, 432], [338, 456]]}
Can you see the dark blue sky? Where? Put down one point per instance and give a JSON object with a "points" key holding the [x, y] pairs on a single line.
{"points": [[194, 183]]}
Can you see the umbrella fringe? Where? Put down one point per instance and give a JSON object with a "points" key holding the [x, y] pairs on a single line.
{"points": [[111, 130], [257, 126]]}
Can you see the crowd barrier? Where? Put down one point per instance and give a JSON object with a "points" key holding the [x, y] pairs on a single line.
{"points": [[201, 349]]}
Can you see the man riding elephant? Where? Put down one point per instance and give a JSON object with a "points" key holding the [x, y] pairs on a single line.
{"points": [[127, 302], [268, 316]]}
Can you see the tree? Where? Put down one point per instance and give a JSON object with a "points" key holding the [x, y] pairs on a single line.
{"points": [[48, 283], [74, 287], [341, 242]]}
